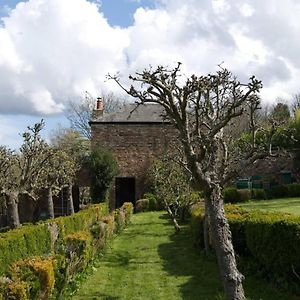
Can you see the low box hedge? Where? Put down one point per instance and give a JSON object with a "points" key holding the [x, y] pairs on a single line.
{"points": [[34, 269], [271, 239]]}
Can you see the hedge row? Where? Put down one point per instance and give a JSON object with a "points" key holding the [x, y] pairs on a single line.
{"points": [[271, 239], [233, 195], [39, 261], [284, 191], [35, 240]]}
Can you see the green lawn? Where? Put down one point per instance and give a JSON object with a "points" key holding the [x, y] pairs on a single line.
{"points": [[286, 205], [148, 261]]}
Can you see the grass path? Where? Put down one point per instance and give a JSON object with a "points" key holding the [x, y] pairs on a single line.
{"points": [[148, 261]]}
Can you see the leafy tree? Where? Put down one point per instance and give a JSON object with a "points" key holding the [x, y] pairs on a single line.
{"points": [[59, 172], [280, 113], [202, 108], [77, 150], [9, 174], [103, 168], [20, 174], [172, 186], [72, 142]]}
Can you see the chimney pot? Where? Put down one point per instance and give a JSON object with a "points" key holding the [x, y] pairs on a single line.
{"points": [[98, 111], [99, 105]]}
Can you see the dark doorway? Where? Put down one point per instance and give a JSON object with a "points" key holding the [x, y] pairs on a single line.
{"points": [[125, 190]]}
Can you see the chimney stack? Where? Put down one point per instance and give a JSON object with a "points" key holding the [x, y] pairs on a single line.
{"points": [[98, 111], [99, 105]]}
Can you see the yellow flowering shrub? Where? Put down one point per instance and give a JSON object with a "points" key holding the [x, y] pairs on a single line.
{"points": [[38, 273]]}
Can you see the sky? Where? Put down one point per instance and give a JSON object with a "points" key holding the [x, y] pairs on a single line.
{"points": [[52, 51]]}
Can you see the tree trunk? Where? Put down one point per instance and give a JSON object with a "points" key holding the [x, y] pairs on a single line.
{"points": [[206, 235], [176, 225], [70, 204], [222, 241], [50, 206], [12, 210]]}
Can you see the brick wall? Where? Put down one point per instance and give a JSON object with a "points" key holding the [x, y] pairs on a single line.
{"points": [[134, 146]]}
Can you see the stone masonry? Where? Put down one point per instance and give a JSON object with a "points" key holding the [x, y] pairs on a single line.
{"points": [[135, 140]]}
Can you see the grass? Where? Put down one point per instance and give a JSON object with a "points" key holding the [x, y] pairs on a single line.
{"points": [[286, 205], [148, 261]]}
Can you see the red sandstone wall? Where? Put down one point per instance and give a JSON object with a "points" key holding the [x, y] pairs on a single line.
{"points": [[134, 146]]}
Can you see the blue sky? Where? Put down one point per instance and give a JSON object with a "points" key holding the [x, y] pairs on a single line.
{"points": [[52, 51], [118, 12]]}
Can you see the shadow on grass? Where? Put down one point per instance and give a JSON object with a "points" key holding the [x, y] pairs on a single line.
{"points": [[181, 259], [98, 295]]}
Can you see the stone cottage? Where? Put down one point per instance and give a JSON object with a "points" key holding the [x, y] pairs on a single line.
{"points": [[135, 135]]}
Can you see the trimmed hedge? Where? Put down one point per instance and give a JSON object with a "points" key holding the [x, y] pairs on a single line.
{"points": [[27, 241], [233, 195], [35, 240], [271, 239], [40, 260], [258, 194]]}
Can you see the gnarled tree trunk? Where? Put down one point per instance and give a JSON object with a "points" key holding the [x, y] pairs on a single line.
{"points": [[12, 209], [70, 199], [222, 241], [50, 206]]}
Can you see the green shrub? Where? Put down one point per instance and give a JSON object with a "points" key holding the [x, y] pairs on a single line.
{"points": [[280, 191], [104, 168], [61, 271], [127, 207], [244, 195], [196, 221], [293, 190], [78, 249], [231, 195], [119, 220], [154, 202], [17, 290], [27, 241], [110, 222], [80, 221], [37, 273], [35, 240], [77, 237], [258, 194], [99, 232], [142, 205], [271, 239]]}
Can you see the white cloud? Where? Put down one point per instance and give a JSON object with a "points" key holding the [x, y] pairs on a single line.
{"points": [[251, 37], [54, 50]]}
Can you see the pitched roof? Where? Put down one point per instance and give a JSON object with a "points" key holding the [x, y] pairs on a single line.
{"points": [[131, 113]]}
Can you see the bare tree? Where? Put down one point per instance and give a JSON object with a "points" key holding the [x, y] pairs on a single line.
{"points": [[79, 114], [202, 109]]}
